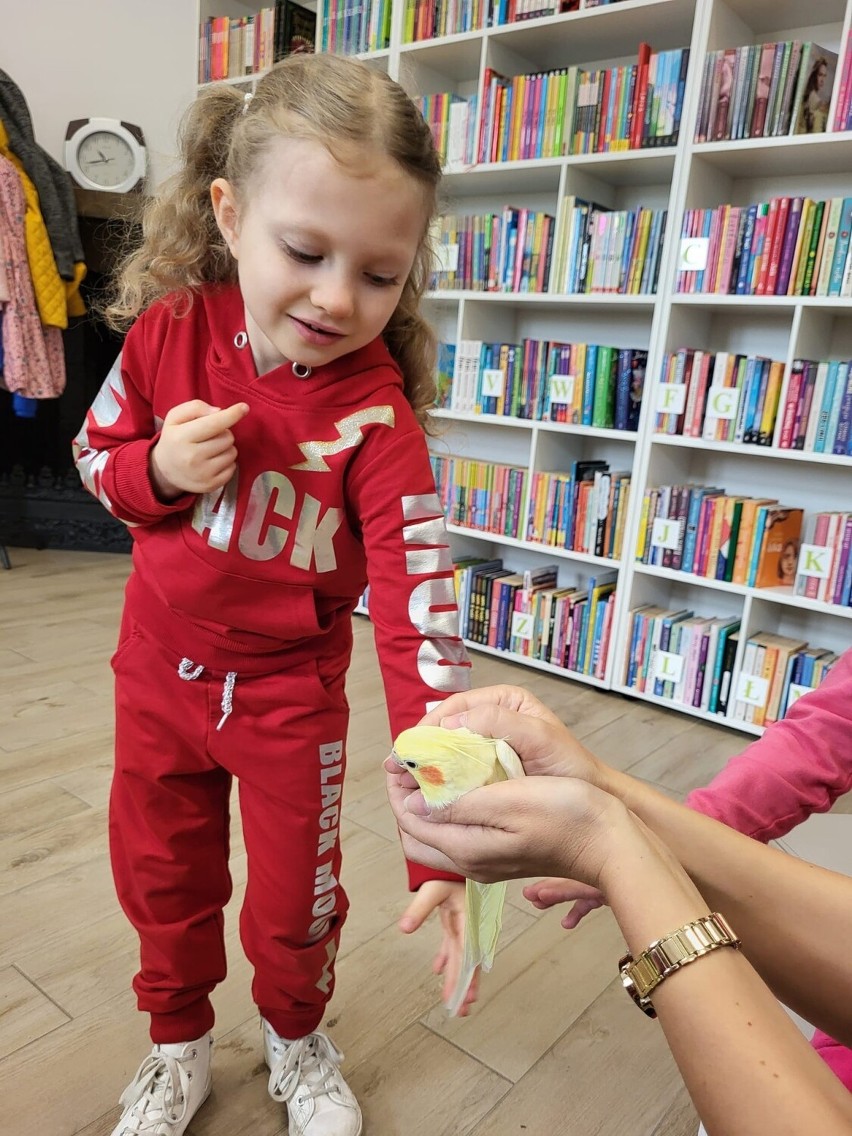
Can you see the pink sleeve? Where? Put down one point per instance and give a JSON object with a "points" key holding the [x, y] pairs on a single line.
{"points": [[800, 766]]}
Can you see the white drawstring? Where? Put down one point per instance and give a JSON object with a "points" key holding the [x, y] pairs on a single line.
{"points": [[187, 670], [227, 697]]}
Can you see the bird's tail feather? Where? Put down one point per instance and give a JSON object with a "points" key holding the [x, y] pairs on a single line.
{"points": [[483, 920]]}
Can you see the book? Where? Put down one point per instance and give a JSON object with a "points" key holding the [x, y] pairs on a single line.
{"points": [[720, 631], [779, 548], [841, 249], [761, 98], [745, 535], [813, 90], [728, 660], [470, 592], [295, 29], [660, 675]]}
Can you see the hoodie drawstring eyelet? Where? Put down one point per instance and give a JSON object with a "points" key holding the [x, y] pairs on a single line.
{"points": [[188, 671]]}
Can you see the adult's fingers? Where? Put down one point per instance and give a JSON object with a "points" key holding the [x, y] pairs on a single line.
{"points": [[555, 889], [579, 912], [510, 697], [396, 770], [423, 851], [451, 837]]}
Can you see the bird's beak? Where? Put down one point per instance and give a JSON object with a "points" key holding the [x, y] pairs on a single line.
{"points": [[395, 757]]}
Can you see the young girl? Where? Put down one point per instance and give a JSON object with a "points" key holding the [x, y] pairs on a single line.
{"points": [[261, 433]]}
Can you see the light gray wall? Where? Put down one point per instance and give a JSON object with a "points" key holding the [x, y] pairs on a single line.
{"points": [[128, 59]]}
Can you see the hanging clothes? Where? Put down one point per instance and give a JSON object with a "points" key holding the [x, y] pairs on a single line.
{"points": [[5, 294], [56, 298], [55, 193], [34, 363]]}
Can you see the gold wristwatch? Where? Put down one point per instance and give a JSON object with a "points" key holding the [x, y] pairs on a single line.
{"points": [[643, 975]]}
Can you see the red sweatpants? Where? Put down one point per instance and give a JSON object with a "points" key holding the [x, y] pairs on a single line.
{"points": [[285, 742]]}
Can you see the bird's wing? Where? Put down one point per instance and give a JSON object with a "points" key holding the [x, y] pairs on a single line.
{"points": [[509, 761]]}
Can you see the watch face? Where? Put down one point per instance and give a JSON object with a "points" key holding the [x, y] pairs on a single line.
{"points": [[106, 158]]}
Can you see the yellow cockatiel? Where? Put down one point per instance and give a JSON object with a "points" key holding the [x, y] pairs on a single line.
{"points": [[446, 764]]}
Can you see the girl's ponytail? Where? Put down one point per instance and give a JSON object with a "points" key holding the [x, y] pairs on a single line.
{"points": [[181, 245]]}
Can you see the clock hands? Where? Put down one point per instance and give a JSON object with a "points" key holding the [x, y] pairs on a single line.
{"points": [[103, 153]]}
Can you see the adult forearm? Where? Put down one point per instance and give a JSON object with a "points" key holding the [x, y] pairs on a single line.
{"points": [[790, 915], [747, 1067]]}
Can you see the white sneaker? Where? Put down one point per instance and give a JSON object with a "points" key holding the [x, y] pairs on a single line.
{"points": [[306, 1075], [169, 1088]]}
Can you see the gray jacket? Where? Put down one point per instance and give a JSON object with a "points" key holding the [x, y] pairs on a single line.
{"points": [[55, 192]]}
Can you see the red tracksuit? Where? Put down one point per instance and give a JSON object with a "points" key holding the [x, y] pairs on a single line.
{"points": [[235, 642]]}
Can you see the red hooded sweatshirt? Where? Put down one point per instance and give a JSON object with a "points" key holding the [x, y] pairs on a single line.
{"points": [[333, 489]]}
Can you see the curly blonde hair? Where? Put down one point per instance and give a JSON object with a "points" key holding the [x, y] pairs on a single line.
{"points": [[326, 98]]}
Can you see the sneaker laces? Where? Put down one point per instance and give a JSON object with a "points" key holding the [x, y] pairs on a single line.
{"points": [[311, 1061], [158, 1093]]}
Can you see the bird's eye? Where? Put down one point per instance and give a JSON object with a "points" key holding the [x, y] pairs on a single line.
{"points": [[411, 764]]}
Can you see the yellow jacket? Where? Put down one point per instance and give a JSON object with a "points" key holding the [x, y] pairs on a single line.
{"points": [[56, 299]]}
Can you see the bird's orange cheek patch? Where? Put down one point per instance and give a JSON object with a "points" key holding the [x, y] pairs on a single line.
{"points": [[432, 774]]}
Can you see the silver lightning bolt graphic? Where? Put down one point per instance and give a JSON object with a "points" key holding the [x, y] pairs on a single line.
{"points": [[350, 435]]}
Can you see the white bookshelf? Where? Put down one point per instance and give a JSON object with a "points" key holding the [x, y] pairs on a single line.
{"points": [[680, 177]]}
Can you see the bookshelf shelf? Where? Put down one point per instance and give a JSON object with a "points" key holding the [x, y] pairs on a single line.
{"points": [[628, 436], [378, 58], [765, 17], [453, 55], [740, 449], [536, 664], [235, 80], [536, 175], [692, 711], [608, 32], [540, 175], [775, 157], [549, 300], [628, 167], [691, 579], [786, 597], [536, 424], [670, 173], [783, 596], [534, 546], [711, 301]]}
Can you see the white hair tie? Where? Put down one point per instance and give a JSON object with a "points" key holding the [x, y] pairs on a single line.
{"points": [[247, 97]]}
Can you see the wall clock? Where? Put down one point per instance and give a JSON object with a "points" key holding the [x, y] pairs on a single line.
{"points": [[105, 154]]}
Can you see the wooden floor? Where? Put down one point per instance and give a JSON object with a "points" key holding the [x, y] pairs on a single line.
{"points": [[554, 1047]]}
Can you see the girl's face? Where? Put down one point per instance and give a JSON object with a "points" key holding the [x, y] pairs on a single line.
{"points": [[323, 250]]}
